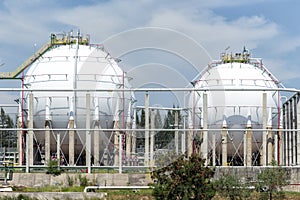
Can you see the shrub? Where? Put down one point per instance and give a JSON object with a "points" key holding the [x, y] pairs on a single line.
{"points": [[230, 186], [185, 178], [83, 181], [70, 181], [53, 168], [271, 181]]}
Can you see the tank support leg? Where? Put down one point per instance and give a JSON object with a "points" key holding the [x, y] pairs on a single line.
{"points": [[264, 126], [270, 145], [280, 146], [204, 146], [224, 144], [190, 142], [116, 143], [96, 133], [30, 132], [249, 146], [71, 143], [276, 147], [128, 143], [88, 148], [58, 147], [96, 143], [47, 142], [128, 152]]}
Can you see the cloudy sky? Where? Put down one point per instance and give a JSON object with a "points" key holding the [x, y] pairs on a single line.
{"points": [[167, 42]]}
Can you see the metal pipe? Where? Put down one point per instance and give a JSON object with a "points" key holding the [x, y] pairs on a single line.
{"points": [[87, 188], [151, 89]]}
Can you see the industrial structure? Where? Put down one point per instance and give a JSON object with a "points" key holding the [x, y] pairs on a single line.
{"points": [[62, 82], [76, 105], [290, 137], [237, 108]]}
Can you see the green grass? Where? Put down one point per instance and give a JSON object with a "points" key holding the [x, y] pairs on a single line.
{"points": [[49, 189], [118, 194]]}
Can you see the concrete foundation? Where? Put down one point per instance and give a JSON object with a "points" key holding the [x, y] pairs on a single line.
{"points": [[109, 179], [115, 179]]}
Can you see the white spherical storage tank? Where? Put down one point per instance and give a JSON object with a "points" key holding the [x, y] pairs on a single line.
{"points": [[75, 69], [234, 87]]}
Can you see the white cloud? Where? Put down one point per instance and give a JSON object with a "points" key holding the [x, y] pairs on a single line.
{"points": [[29, 22], [282, 69], [215, 32]]}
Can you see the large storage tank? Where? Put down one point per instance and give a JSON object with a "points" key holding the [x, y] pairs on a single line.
{"points": [[74, 66], [235, 100]]}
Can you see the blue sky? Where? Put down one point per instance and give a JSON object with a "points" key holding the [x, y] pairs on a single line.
{"points": [[178, 36]]}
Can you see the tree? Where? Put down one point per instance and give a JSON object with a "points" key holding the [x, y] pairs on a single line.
{"points": [[163, 138], [185, 178], [142, 122], [230, 186], [271, 181], [158, 120], [137, 119]]}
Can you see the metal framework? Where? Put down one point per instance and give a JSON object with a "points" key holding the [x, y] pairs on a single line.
{"points": [[120, 150]]}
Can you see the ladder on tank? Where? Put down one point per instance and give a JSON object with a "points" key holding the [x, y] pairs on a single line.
{"points": [[55, 41]]}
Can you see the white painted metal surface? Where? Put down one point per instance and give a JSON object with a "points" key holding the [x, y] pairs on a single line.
{"points": [[55, 70], [221, 79], [76, 70]]}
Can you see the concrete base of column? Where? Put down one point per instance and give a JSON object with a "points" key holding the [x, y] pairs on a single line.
{"points": [[96, 144], [249, 147], [224, 146], [71, 143], [47, 142], [190, 142]]}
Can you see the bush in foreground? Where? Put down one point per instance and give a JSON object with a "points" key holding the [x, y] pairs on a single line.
{"points": [[185, 178]]}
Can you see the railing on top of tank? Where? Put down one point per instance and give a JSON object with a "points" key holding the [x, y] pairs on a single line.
{"points": [[233, 82], [103, 78]]}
